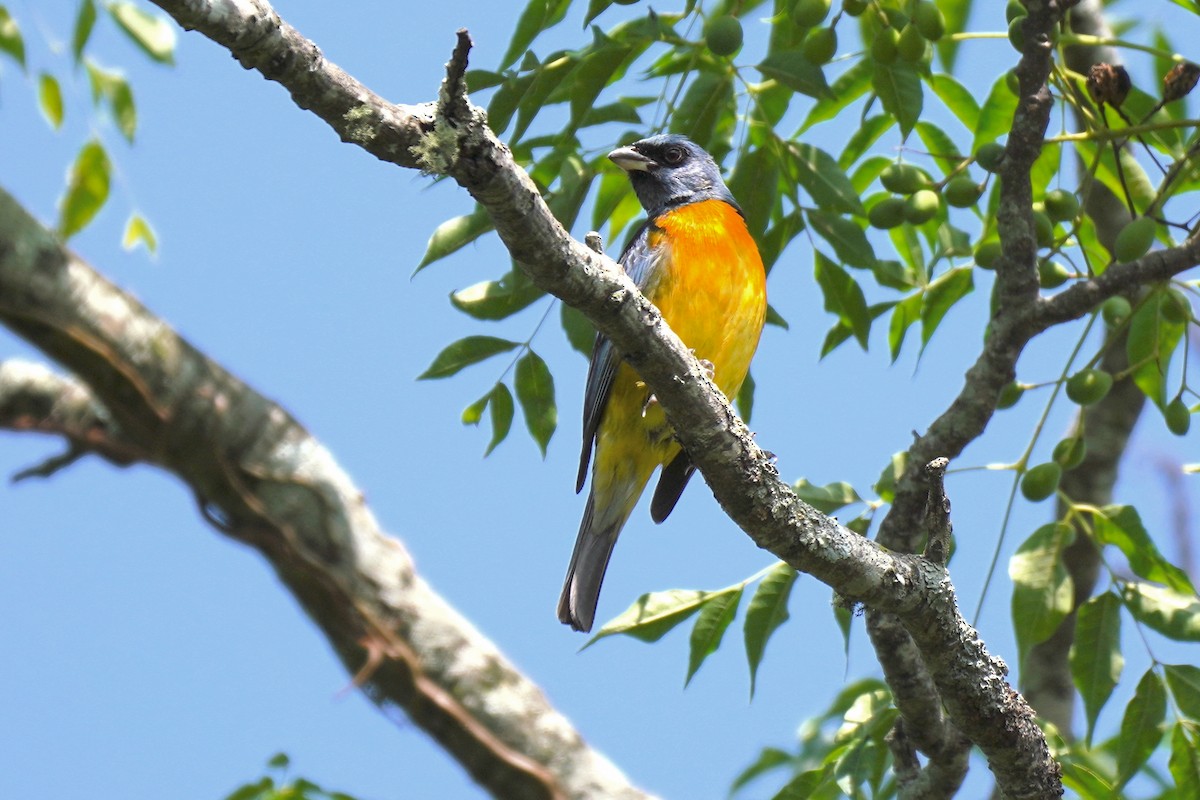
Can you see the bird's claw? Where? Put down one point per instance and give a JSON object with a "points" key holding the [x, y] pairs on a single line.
{"points": [[651, 400]]}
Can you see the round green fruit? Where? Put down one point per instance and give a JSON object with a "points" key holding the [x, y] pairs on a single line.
{"points": [[1043, 228], [1009, 395], [1016, 34], [990, 155], [922, 206], [808, 13], [1061, 205], [1178, 416], [820, 45], [854, 8], [1134, 240], [1069, 453], [1014, 10], [1041, 481], [887, 213], [930, 20], [911, 46], [902, 178], [1052, 274], [1089, 386], [987, 254], [1175, 308], [962, 191], [723, 35], [884, 47], [1116, 310]]}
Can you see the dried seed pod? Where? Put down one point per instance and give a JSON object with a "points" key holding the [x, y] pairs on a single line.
{"points": [[1108, 83], [1180, 81]]}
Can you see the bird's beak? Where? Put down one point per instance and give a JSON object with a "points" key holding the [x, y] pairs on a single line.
{"points": [[629, 160]]}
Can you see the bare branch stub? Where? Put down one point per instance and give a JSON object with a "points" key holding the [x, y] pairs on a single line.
{"points": [[937, 512]]}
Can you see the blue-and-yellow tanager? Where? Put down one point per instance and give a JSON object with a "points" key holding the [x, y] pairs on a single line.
{"points": [[696, 261]]}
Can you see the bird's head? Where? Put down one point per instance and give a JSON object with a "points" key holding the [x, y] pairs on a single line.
{"points": [[671, 170]]}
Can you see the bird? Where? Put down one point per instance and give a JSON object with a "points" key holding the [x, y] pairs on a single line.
{"points": [[695, 259]]}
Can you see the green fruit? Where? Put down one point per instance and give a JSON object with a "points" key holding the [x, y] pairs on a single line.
{"points": [[987, 254], [1040, 482], [1175, 307], [820, 45], [1069, 453], [1089, 386], [1012, 82], [1178, 417], [1052, 274], [990, 155], [723, 35], [1014, 10], [1116, 310], [1061, 205], [1016, 34], [854, 8], [883, 49], [887, 213], [902, 178], [962, 191], [808, 13], [1043, 228], [1134, 240], [911, 46], [929, 20], [922, 206], [1009, 395]]}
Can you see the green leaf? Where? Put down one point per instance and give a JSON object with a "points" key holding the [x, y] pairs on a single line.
{"points": [[843, 297], [707, 113], [595, 9], [1140, 727], [535, 393], [718, 611], [600, 65], [745, 398], [463, 353], [500, 404], [770, 758], [996, 115], [940, 146], [546, 79], [1184, 682], [828, 498], [899, 88], [805, 784], [1096, 659], [755, 184], [1185, 756], [50, 100], [766, 612], [778, 237], [154, 34], [112, 88], [866, 135], [1122, 527], [1174, 615], [1150, 344], [1130, 172], [1043, 591], [956, 13], [848, 87], [278, 761], [454, 234], [138, 231], [905, 313], [957, 98], [11, 41], [87, 189], [580, 332], [537, 17], [793, 70], [498, 299], [847, 238], [85, 20], [940, 297], [653, 615], [824, 180]]}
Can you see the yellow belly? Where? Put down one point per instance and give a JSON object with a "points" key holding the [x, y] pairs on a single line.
{"points": [[712, 292]]}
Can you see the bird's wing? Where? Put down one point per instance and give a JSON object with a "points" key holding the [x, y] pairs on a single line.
{"points": [[640, 261]]}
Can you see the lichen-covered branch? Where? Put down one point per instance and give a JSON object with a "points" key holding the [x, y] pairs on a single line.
{"points": [[147, 395]]}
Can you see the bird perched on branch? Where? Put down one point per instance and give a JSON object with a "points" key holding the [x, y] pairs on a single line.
{"points": [[696, 261]]}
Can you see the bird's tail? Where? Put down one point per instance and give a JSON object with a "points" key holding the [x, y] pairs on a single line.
{"points": [[589, 561]]}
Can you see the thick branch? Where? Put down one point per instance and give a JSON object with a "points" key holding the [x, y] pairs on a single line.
{"points": [[264, 480]]}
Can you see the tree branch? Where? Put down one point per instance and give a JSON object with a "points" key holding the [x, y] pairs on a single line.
{"points": [[265, 481]]}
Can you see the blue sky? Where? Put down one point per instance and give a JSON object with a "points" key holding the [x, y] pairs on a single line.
{"points": [[147, 655]]}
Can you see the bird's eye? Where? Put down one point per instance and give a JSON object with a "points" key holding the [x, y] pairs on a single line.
{"points": [[674, 155]]}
